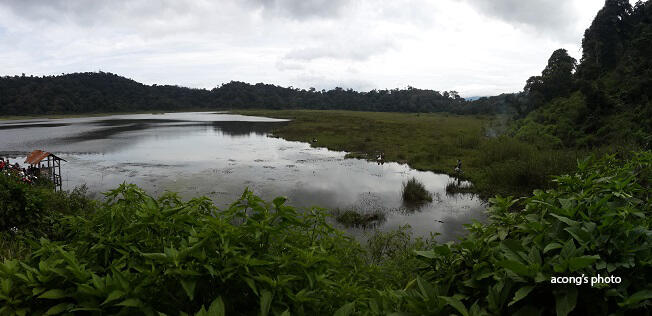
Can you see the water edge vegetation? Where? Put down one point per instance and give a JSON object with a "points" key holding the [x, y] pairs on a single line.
{"points": [[124, 255]]}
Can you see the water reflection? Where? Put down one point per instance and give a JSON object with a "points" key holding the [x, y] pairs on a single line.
{"points": [[218, 155]]}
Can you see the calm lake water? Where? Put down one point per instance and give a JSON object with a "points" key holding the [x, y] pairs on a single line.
{"points": [[219, 155]]}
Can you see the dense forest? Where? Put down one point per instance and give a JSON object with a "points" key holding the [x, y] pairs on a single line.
{"points": [[107, 92], [607, 96]]}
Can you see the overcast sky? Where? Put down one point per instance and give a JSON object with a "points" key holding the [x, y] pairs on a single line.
{"points": [[477, 47]]}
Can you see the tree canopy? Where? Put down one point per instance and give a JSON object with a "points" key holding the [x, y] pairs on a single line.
{"points": [[107, 92]]}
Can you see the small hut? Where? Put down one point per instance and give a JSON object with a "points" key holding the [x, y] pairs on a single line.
{"points": [[51, 168]]}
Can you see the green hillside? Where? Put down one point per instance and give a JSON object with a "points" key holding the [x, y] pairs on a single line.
{"points": [[607, 97]]}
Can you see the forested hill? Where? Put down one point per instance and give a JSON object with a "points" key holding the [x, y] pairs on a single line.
{"points": [[106, 92], [607, 97]]}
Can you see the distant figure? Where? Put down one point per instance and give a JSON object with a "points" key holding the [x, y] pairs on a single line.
{"points": [[458, 168]]}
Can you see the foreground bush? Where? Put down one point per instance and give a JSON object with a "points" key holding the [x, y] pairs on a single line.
{"points": [[36, 209], [596, 222], [137, 255]]}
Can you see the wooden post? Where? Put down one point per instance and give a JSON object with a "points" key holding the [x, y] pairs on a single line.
{"points": [[59, 175]]}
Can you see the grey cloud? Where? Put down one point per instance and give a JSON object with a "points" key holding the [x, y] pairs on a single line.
{"points": [[303, 9], [356, 50], [540, 15], [284, 65], [78, 11]]}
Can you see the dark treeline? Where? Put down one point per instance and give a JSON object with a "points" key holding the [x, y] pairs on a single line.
{"points": [[607, 96], [107, 92]]}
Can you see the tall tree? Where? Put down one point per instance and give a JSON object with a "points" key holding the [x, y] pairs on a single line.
{"points": [[556, 80], [603, 40]]}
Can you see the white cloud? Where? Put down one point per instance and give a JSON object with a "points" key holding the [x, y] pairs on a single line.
{"points": [[477, 47]]}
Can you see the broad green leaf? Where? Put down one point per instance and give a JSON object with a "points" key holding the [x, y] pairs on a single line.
{"points": [[579, 234], [57, 309], [155, 256], [53, 294], [131, 302], [565, 220], [442, 250], [251, 284], [426, 288], [217, 308], [637, 297], [521, 294], [189, 287], [456, 304], [516, 267], [551, 246], [566, 203], [534, 257], [565, 301], [114, 296], [345, 310], [265, 302], [577, 263], [568, 250]]}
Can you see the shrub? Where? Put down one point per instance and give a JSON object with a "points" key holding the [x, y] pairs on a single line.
{"points": [[20, 206], [140, 255], [414, 192], [33, 208], [595, 222]]}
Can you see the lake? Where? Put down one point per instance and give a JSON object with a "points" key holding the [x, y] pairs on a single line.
{"points": [[219, 155]]}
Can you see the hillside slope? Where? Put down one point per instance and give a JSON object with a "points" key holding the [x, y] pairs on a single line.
{"points": [[607, 97]]}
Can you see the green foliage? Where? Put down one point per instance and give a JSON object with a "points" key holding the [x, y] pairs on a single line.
{"points": [[394, 253], [20, 207], [106, 92], [140, 255], [607, 101], [495, 165], [455, 187], [414, 192], [597, 221], [556, 80], [34, 207]]}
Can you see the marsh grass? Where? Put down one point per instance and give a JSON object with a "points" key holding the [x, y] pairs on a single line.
{"points": [[414, 192], [457, 187], [354, 218], [495, 164]]}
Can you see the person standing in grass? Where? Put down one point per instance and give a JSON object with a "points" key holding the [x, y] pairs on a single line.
{"points": [[458, 168]]}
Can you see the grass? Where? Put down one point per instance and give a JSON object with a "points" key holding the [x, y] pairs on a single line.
{"points": [[414, 192], [433, 142], [353, 218], [456, 187]]}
